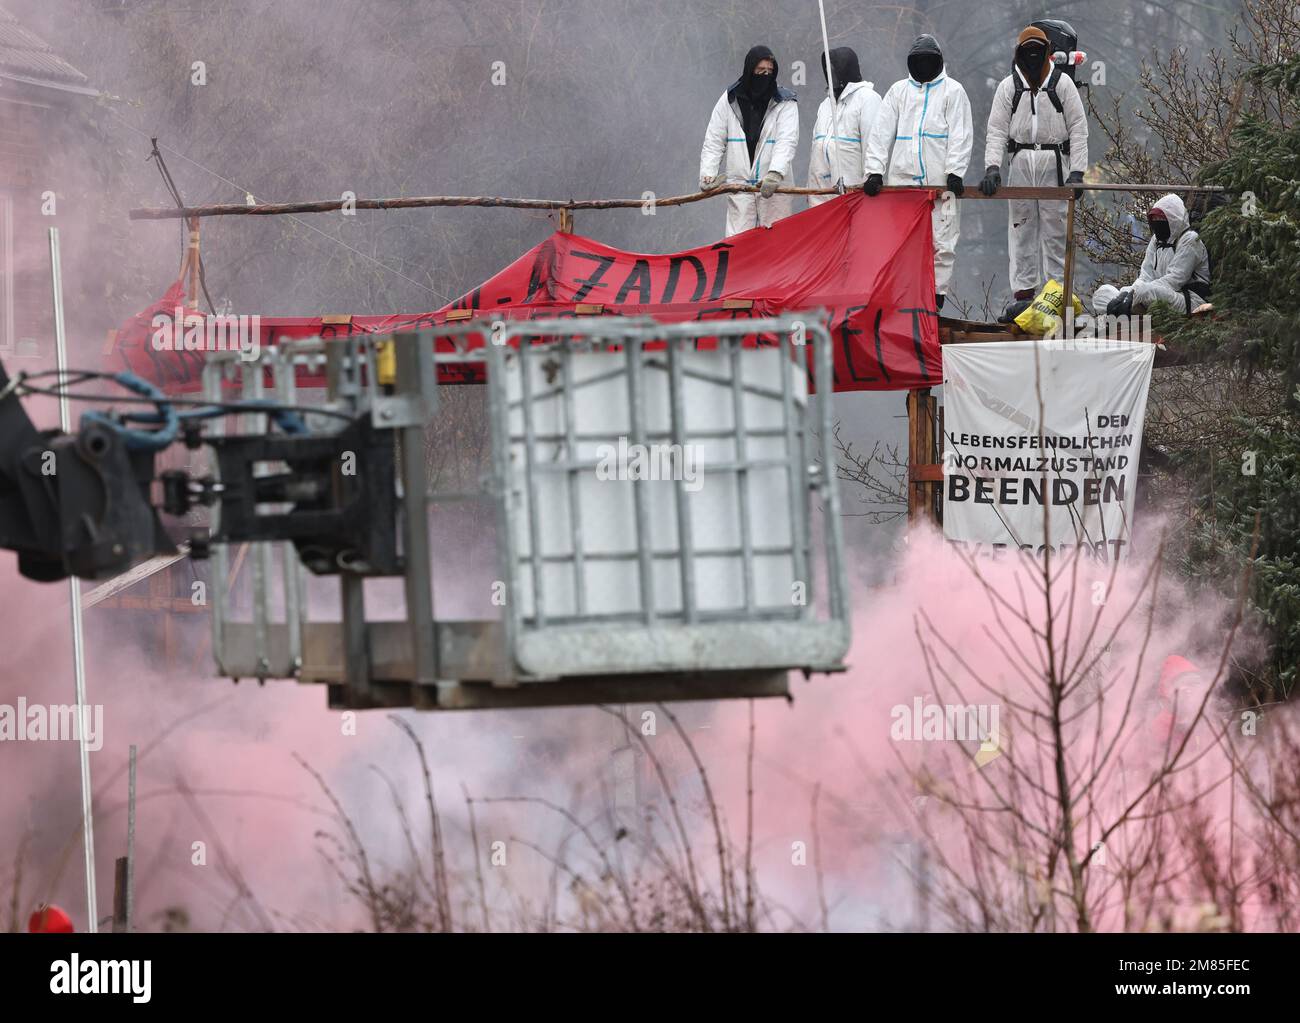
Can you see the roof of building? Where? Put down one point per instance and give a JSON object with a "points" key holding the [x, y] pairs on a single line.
{"points": [[26, 57]]}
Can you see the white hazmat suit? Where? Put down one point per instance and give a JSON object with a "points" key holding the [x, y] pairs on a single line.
{"points": [[924, 131], [853, 113], [1046, 146], [726, 149], [1176, 272]]}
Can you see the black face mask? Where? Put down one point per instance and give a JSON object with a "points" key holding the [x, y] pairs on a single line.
{"points": [[1160, 230], [924, 67], [1031, 57], [761, 86], [839, 84], [758, 89], [754, 93]]}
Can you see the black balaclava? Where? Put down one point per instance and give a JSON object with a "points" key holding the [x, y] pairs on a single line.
{"points": [[925, 59], [754, 94], [1159, 226], [844, 63], [1032, 55]]}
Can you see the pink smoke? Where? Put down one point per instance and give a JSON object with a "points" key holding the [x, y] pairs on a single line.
{"points": [[921, 636]]}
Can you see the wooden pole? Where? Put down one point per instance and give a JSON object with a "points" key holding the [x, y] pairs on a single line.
{"points": [[924, 475], [416, 202], [927, 450], [915, 495], [1067, 296], [913, 446], [192, 264], [119, 895], [921, 470], [939, 450]]}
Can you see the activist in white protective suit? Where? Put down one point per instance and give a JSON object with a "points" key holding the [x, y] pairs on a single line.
{"points": [[924, 131], [751, 140], [853, 112], [1176, 269], [1038, 121]]}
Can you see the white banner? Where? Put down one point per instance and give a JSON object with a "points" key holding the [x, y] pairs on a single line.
{"points": [[1043, 434]]}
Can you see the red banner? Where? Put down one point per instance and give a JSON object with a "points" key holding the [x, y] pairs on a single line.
{"points": [[868, 263]]}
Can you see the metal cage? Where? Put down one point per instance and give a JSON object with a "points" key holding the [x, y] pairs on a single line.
{"points": [[617, 583]]}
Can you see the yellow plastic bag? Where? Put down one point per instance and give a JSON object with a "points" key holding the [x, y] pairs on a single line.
{"points": [[1045, 311]]}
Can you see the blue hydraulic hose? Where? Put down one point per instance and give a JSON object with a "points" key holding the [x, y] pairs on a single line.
{"points": [[169, 420], [140, 440]]}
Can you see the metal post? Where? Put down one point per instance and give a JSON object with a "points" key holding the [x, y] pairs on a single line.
{"points": [[74, 588], [742, 474], [356, 641], [536, 559], [640, 507], [221, 578], [130, 837], [830, 92], [415, 373], [286, 393], [572, 476], [252, 388], [796, 465], [685, 528], [836, 577]]}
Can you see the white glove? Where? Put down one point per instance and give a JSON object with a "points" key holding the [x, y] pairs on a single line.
{"points": [[709, 184], [770, 182]]}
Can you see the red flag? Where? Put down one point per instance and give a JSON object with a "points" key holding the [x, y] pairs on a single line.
{"points": [[867, 263]]}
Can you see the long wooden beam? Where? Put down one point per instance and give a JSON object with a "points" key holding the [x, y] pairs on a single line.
{"points": [[488, 201]]}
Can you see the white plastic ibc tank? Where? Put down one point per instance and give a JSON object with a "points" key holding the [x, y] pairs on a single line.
{"points": [[606, 506]]}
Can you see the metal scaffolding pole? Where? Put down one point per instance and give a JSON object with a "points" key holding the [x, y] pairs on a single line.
{"points": [[78, 642]]}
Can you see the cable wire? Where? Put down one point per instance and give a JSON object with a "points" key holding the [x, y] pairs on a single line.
{"points": [[289, 418]]}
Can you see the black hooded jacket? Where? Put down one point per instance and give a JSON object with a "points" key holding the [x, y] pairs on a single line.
{"points": [[925, 59], [844, 63], [753, 96]]}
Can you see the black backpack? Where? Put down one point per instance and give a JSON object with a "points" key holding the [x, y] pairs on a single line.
{"points": [[1049, 88], [1199, 205]]}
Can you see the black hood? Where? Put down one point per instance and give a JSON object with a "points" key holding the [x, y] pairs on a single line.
{"points": [[759, 89], [844, 64], [753, 95], [925, 59]]}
